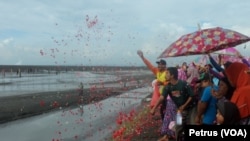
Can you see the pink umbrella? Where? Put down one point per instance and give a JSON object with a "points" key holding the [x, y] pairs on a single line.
{"points": [[204, 41], [229, 54]]}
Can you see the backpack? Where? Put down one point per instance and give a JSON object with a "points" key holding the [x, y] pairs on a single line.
{"points": [[184, 91]]}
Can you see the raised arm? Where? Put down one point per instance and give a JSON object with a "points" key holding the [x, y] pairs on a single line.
{"points": [[215, 74], [215, 64], [146, 62]]}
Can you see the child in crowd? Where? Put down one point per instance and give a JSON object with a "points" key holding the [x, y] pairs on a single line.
{"points": [[227, 113]]}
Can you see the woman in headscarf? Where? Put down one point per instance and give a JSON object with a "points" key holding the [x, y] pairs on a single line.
{"points": [[225, 90], [240, 80], [227, 113]]}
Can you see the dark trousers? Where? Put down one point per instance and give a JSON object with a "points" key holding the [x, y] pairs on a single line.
{"points": [[187, 118]]}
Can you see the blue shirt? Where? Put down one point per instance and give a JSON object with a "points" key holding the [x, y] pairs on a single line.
{"points": [[210, 114]]}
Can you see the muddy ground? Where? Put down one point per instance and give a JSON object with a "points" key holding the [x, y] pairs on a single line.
{"points": [[16, 107]]}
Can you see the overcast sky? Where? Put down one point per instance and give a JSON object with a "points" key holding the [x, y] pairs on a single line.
{"points": [[108, 32]]}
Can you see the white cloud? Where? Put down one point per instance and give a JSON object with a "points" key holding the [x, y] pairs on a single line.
{"points": [[5, 42], [123, 27], [207, 25]]}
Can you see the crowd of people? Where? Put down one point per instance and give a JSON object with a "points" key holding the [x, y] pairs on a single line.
{"points": [[214, 94]]}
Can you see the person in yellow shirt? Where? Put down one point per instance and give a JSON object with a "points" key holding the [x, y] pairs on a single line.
{"points": [[160, 74]]}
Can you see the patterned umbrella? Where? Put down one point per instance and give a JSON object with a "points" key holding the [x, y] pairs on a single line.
{"points": [[204, 41]]}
